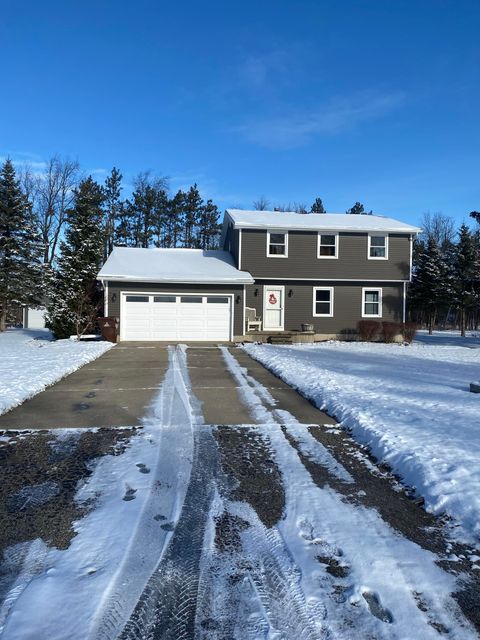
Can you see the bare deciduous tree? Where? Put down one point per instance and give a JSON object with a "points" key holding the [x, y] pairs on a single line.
{"points": [[51, 194], [438, 227], [297, 207], [261, 204]]}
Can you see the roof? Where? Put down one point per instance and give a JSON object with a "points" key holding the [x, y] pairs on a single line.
{"points": [[316, 221], [193, 266]]}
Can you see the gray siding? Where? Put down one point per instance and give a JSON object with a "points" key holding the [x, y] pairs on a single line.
{"points": [[115, 289], [302, 261], [347, 304], [231, 243]]}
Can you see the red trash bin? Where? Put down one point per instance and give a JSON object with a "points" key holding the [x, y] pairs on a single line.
{"points": [[109, 328]]}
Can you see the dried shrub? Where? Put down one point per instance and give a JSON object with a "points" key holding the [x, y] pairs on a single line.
{"points": [[409, 329], [391, 330], [368, 330]]}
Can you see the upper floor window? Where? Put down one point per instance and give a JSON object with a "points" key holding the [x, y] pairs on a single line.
{"points": [[328, 245], [277, 244], [378, 247]]}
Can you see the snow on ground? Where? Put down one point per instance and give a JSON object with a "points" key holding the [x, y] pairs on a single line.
{"points": [[30, 361], [410, 404], [383, 569], [96, 582]]}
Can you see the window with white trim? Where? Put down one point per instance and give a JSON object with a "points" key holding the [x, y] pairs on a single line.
{"points": [[371, 303], [328, 245], [277, 244], [377, 246], [323, 302]]}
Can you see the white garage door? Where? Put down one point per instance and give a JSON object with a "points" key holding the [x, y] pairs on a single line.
{"points": [[167, 317]]}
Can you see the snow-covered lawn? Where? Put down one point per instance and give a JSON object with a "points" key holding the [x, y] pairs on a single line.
{"points": [[410, 404], [30, 361]]}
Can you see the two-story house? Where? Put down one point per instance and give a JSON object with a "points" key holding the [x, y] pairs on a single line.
{"points": [[327, 270]]}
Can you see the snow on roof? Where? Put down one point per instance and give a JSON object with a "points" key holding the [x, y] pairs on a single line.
{"points": [[172, 265], [331, 221]]}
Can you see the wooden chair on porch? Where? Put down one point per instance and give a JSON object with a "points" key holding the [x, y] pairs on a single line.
{"points": [[253, 322]]}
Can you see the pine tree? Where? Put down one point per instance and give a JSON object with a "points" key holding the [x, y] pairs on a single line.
{"points": [[428, 290], [113, 209], [208, 227], [465, 274], [317, 206], [20, 248], [174, 219], [160, 219], [193, 204], [358, 209], [75, 298], [123, 235]]}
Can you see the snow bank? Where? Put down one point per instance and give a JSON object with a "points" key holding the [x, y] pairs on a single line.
{"points": [[30, 361], [410, 405]]}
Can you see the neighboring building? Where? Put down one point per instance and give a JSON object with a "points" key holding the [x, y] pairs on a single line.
{"points": [[327, 270], [34, 318]]}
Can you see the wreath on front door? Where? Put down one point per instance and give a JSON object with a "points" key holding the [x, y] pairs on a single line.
{"points": [[272, 299]]}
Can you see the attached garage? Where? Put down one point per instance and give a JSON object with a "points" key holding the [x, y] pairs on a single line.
{"points": [[163, 317], [177, 295]]}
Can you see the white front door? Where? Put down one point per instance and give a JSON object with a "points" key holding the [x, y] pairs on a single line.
{"points": [[273, 308]]}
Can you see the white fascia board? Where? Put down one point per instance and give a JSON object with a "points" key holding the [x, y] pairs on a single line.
{"points": [[117, 278], [292, 227]]}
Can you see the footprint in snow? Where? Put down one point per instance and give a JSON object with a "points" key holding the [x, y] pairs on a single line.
{"points": [[143, 468], [129, 494], [375, 606]]}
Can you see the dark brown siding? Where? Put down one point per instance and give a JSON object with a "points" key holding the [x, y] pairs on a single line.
{"points": [[302, 261], [347, 303], [115, 289], [231, 243]]}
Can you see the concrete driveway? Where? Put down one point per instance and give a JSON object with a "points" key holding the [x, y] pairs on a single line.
{"points": [[113, 391]]}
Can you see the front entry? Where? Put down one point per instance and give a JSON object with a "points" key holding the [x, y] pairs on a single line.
{"points": [[273, 308]]}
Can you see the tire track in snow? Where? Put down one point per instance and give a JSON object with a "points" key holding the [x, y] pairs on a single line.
{"points": [[384, 572], [171, 421]]}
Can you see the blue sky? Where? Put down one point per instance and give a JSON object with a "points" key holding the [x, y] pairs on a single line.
{"points": [[377, 101]]}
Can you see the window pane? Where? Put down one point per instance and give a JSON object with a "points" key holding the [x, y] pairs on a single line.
{"points": [[191, 299], [371, 296], [371, 308], [164, 299], [137, 298], [217, 300], [277, 249], [322, 308], [322, 295], [327, 251], [377, 252], [377, 241], [277, 238], [330, 240]]}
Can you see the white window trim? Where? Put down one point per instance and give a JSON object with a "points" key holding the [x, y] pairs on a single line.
{"points": [[327, 233], [372, 315], [379, 234], [276, 255], [323, 315]]}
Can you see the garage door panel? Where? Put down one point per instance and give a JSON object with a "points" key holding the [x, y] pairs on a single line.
{"points": [[165, 317]]}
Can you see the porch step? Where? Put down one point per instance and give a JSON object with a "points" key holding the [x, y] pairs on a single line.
{"points": [[280, 338]]}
